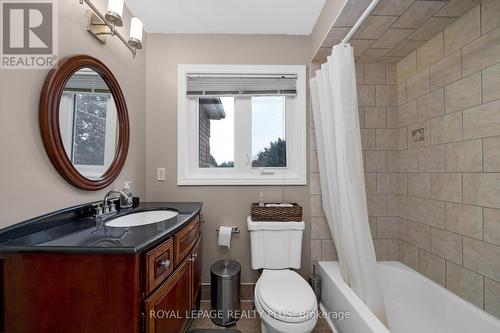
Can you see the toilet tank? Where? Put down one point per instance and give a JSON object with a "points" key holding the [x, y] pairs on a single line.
{"points": [[275, 245]]}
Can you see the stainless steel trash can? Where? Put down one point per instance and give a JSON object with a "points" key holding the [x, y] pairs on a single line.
{"points": [[225, 278]]}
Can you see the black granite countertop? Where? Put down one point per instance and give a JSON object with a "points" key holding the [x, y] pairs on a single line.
{"points": [[74, 230]]}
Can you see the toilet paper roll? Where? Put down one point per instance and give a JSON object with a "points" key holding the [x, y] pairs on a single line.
{"points": [[225, 236]]}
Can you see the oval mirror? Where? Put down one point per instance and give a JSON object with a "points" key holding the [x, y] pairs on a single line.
{"points": [[84, 122]]}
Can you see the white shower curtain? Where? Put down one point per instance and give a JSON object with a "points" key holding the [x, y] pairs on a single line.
{"points": [[338, 139]]}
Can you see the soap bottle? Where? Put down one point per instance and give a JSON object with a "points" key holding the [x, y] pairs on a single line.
{"points": [[128, 192], [261, 199]]}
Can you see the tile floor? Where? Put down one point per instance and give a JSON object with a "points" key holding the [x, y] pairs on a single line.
{"points": [[246, 325]]}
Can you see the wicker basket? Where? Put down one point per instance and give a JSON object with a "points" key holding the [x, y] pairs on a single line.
{"points": [[262, 213]]}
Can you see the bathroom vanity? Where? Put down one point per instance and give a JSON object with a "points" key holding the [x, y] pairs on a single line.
{"points": [[62, 273]]}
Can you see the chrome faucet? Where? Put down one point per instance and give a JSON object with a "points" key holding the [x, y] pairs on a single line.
{"points": [[108, 207]]}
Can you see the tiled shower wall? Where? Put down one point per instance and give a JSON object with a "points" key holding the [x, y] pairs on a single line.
{"points": [[378, 122], [449, 158]]}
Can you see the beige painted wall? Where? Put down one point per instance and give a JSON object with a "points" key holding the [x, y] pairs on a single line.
{"points": [[223, 205], [30, 186]]}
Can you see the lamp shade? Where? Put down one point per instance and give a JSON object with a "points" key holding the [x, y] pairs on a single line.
{"points": [[136, 29], [116, 7]]}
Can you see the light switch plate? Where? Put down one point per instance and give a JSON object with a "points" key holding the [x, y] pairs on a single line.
{"points": [[160, 174]]}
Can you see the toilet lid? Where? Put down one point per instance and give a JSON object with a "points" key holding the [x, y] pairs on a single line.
{"points": [[285, 295]]}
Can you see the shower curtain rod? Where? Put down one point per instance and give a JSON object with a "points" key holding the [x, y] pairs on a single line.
{"points": [[361, 20]]}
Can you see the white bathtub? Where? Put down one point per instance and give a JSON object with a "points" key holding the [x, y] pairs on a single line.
{"points": [[414, 304]]}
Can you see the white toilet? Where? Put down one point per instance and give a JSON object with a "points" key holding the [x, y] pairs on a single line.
{"points": [[284, 300]]}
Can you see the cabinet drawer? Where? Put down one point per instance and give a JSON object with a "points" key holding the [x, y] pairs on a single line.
{"points": [[159, 264], [185, 239]]}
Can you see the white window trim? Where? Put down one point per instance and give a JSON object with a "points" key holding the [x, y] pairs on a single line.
{"points": [[187, 145]]}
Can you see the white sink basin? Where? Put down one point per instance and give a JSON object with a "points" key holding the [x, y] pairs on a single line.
{"points": [[141, 218]]}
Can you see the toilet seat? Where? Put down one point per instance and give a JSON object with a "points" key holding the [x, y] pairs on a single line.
{"points": [[285, 296]]}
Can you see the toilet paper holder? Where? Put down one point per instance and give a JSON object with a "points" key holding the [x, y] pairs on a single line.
{"points": [[234, 230]]}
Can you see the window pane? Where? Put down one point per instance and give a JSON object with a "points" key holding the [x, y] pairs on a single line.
{"points": [[216, 132], [89, 134], [268, 131]]}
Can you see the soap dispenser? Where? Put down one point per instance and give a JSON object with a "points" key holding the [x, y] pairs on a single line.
{"points": [[128, 192]]}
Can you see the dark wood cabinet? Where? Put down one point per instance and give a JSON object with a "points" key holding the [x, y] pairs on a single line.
{"points": [[154, 291]]}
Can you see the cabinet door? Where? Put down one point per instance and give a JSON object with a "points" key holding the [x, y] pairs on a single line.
{"points": [[168, 307], [196, 266]]}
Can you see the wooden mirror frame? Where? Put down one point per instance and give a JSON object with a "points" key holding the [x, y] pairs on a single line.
{"points": [[49, 121]]}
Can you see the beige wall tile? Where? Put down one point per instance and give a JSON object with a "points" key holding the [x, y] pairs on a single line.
{"points": [[491, 83], [492, 297], [490, 11], [464, 283], [446, 186], [390, 73], [313, 161], [320, 229], [415, 136], [431, 105], [408, 160], [407, 113], [408, 255], [376, 161], [388, 227], [392, 205], [447, 128], [374, 27], [371, 183], [373, 55], [377, 204], [492, 225], [380, 246], [392, 117], [482, 257], [456, 8], [360, 73], [431, 159], [315, 250], [375, 117], [418, 13], [462, 31], [360, 46], [401, 92], [431, 27], [391, 183], [393, 249], [491, 149], [402, 138], [431, 212], [447, 245], [366, 95], [387, 139], [446, 71], [408, 208], [430, 52], [314, 183], [417, 234], [386, 95], [368, 139], [419, 184], [374, 73], [392, 161], [417, 85], [482, 121], [463, 94], [481, 53], [482, 189], [407, 67], [372, 223], [316, 207], [392, 7], [391, 38], [328, 251], [361, 115], [465, 220], [465, 156], [431, 266]]}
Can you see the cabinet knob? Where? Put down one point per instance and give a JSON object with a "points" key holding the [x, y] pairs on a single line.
{"points": [[194, 256], [165, 263]]}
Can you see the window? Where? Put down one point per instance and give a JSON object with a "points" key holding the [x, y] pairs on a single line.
{"points": [[241, 125]]}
